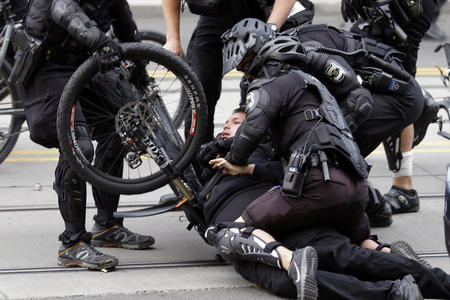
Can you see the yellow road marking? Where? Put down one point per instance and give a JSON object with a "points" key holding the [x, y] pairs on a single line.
{"points": [[31, 159], [379, 151], [22, 152]]}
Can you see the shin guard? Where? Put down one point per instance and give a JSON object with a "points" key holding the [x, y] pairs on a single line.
{"points": [[234, 244]]}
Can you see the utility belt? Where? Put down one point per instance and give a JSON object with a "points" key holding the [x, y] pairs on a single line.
{"points": [[64, 58], [299, 165]]}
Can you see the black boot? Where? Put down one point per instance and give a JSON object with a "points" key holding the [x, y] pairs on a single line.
{"points": [[378, 211], [402, 201]]}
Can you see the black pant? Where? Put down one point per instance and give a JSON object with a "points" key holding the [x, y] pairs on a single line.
{"points": [[390, 115], [204, 54], [346, 271], [42, 95], [340, 201], [415, 29]]}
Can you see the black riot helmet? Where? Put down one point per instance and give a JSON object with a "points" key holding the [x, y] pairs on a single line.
{"points": [[283, 49], [245, 37]]}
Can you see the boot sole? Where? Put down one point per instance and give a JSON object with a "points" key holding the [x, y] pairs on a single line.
{"points": [[404, 249], [309, 261], [97, 243], [306, 281], [405, 210], [65, 262]]}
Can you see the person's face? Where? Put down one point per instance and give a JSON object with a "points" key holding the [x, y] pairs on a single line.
{"points": [[232, 124], [245, 64]]}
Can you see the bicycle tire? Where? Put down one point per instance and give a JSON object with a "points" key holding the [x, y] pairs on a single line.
{"points": [[154, 36], [183, 107], [10, 125], [188, 81]]}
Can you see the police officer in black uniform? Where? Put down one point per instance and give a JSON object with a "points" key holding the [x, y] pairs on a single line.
{"points": [[325, 177], [401, 24], [346, 271], [71, 31], [204, 51]]}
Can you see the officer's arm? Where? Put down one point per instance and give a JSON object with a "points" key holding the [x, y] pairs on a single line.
{"points": [[253, 129], [280, 12], [171, 10], [69, 15], [334, 71], [124, 26]]}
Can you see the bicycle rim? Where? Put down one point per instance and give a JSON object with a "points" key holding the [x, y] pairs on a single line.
{"points": [[119, 125]]}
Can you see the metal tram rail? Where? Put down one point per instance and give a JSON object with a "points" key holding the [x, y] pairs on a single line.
{"points": [[159, 265], [124, 266], [16, 208]]}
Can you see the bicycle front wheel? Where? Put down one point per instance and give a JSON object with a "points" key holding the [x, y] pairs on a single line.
{"points": [[130, 121]]}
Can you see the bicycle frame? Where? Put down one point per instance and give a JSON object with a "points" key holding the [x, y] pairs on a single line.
{"points": [[445, 103]]}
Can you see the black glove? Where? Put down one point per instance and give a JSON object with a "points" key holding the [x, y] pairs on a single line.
{"points": [[138, 75], [357, 108], [348, 12], [108, 55], [212, 149]]}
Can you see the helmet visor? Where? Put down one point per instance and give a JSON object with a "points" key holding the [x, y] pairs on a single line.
{"points": [[235, 49]]}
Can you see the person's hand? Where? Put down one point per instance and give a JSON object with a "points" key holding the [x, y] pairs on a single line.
{"points": [[174, 46], [348, 12], [230, 169], [357, 108], [108, 55]]}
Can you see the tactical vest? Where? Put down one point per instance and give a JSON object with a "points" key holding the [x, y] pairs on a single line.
{"points": [[332, 133]]}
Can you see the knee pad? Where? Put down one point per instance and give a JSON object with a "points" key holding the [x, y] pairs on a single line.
{"points": [[234, 244]]}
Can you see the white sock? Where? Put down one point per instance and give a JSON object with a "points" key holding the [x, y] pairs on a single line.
{"points": [[406, 165]]}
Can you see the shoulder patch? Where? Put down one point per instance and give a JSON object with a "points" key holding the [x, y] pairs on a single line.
{"points": [[252, 101]]}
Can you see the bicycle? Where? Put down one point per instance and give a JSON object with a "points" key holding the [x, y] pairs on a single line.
{"points": [[12, 115], [153, 151]]}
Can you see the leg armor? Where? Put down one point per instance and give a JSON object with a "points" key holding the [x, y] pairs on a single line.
{"points": [[428, 115], [71, 190], [393, 153], [233, 244]]}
